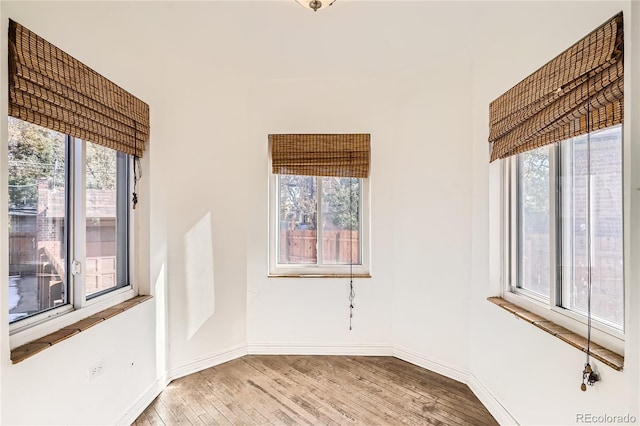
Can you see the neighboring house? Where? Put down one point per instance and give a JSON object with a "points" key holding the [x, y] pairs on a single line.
{"points": [[38, 247]]}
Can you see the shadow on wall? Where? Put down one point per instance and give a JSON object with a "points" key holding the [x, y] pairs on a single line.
{"points": [[199, 283]]}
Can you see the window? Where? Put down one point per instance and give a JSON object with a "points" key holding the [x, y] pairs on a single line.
{"points": [[567, 227], [68, 219], [559, 134], [69, 204], [319, 222], [319, 204]]}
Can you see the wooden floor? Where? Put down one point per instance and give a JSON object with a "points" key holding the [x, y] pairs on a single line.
{"points": [[316, 390]]}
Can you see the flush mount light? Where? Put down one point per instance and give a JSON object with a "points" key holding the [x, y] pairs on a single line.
{"points": [[316, 5]]}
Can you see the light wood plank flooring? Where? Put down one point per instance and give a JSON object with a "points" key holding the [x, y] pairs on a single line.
{"points": [[316, 390]]}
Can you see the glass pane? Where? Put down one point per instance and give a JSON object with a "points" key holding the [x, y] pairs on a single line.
{"points": [[533, 225], [340, 220], [101, 219], [592, 224], [37, 225], [297, 225]]}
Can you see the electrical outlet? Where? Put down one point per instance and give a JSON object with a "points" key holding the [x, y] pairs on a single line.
{"points": [[95, 370]]}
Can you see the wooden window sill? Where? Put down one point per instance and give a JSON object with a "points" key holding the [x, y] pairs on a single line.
{"points": [[598, 352], [27, 350]]}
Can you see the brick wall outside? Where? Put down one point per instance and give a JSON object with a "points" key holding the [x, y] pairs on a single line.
{"points": [[606, 230]]}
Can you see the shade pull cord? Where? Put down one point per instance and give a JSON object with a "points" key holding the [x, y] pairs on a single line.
{"points": [[589, 377], [137, 173], [352, 293], [352, 296]]}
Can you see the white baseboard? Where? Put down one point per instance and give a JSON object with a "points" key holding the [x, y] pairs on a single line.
{"points": [[207, 362], [319, 349], [489, 400], [431, 364], [486, 397], [175, 373], [143, 402]]}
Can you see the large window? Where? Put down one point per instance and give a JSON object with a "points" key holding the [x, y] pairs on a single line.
{"points": [[567, 227], [319, 225], [68, 222]]}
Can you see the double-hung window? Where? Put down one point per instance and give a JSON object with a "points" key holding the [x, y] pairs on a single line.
{"points": [[319, 205], [558, 134], [68, 222], [73, 139]]}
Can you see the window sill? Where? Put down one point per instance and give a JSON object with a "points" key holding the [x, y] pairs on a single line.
{"points": [[318, 276], [598, 352], [27, 350]]}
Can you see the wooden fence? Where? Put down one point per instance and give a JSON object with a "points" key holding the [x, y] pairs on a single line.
{"points": [[338, 247]]}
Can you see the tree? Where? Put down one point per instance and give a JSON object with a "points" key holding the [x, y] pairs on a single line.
{"points": [[535, 194], [298, 201], [101, 167], [35, 153], [342, 200]]}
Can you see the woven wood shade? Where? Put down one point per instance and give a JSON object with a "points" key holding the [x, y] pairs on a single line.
{"points": [[554, 103], [344, 155], [50, 88]]}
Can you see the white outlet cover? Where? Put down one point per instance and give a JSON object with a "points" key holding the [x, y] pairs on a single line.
{"points": [[95, 370]]}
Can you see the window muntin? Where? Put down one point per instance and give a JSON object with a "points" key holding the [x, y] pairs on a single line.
{"points": [[52, 216], [585, 224], [319, 225]]}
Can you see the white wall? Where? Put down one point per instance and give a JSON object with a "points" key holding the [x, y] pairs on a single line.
{"points": [[303, 315], [52, 387], [432, 214], [535, 376], [207, 193], [221, 76]]}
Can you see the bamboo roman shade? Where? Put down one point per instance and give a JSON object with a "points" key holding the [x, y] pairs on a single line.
{"points": [[344, 155], [50, 88], [585, 82]]}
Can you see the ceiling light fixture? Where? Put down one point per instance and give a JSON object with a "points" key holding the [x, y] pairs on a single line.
{"points": [[316, 5]]}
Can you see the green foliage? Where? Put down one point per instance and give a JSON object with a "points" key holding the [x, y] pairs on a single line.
{"points": [[101, 167], [35, 154], [342, 198], [534, 191], [298, 201]]}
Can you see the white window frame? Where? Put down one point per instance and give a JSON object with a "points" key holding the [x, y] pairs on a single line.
{"points": [[606, 335], [78, 306], [318, 270]]}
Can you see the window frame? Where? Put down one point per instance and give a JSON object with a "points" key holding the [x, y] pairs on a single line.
{"points": [[550, 309], [78, 305], [276, 269]]}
